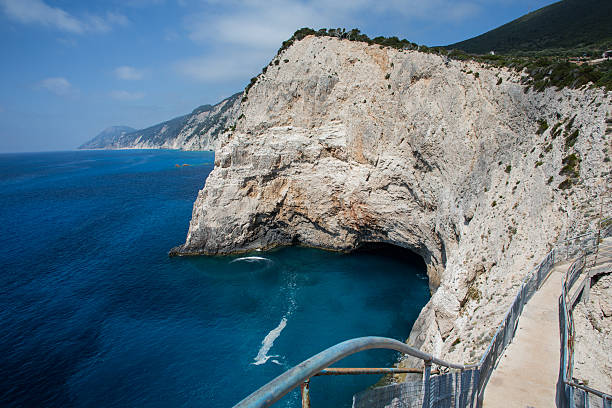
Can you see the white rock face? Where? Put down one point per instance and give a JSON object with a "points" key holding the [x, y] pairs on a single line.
{"points": [[342, 143], [199, 130], [203, 129]]}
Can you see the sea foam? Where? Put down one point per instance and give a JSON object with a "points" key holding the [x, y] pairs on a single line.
{"points": [[251, 259], [268, 342]]}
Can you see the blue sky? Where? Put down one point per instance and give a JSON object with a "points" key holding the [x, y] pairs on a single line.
{"points": [[72, 68]]}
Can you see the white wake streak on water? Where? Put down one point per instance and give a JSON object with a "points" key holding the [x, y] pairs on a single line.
{"points": [[251, 259], [268, 342], [289, 290]]}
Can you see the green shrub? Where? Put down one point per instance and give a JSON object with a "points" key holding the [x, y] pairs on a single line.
{"points": [[249, 86], [542, 126], [556, 130], [570, 140], [508, 169], [571, 166], [543, 72], [565, 184]]}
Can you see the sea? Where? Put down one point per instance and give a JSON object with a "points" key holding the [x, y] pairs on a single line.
{"points": [[93, 312]]}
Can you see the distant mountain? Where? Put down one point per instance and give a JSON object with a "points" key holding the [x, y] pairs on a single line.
{"points": [[107, 136], [565, 27], [198, 130]]}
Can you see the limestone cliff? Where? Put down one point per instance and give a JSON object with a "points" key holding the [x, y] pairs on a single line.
{"points": [[198, 130], [339, 143]]}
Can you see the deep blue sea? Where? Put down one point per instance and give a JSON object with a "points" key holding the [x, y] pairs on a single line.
{"points": [[93, 313]]}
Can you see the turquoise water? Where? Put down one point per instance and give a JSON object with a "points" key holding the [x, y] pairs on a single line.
{"points": [[94, 313]]}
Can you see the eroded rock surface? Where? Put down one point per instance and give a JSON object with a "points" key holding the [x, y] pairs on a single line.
{"points": [[340, 143]]}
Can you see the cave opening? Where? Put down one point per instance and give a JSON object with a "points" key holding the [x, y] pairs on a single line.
{"points": [[396, 252]]}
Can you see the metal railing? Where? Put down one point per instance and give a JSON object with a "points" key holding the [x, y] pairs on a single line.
{"points": [[459, 389], [298, 375], [574, 395]]}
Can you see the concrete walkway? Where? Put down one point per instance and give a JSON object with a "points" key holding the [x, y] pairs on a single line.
{"points": [[529, 369]]}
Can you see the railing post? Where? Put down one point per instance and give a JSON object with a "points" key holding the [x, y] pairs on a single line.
{"points": [[305, 393], [426, 384]]}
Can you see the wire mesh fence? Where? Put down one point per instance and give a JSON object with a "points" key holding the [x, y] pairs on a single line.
{"points": [[582, 398], [403, 395], [451, 390], [575, 395], [454, 389]]}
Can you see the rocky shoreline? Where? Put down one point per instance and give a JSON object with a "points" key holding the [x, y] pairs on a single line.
{"points": [[340, 144]]}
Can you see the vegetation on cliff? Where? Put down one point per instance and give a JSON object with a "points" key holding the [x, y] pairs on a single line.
{"points": [[542, 72], [565, 28]]}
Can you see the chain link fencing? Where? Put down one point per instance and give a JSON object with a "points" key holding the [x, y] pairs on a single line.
{"points": [[573, 394]]}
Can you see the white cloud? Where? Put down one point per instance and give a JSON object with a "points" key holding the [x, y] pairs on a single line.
{"points": [[128, 73], [255, 24], [223, 66], [263, 24], [242, 35], [170, 35], [126, 95], [143, 3], [67, 42], [59, 86], [38, 12]]}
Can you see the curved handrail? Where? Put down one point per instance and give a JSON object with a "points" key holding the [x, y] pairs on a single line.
{"points": [[281, 385]]}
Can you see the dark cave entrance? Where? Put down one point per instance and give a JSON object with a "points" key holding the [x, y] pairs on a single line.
{"points": [[392, 251]]}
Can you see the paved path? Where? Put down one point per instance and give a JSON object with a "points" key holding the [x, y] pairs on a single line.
{"points": [[529, 369], [528, 372]]}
